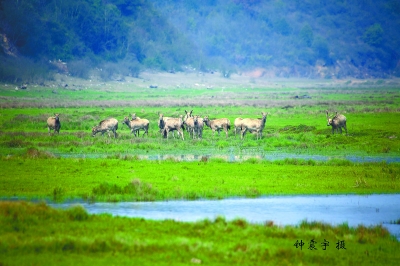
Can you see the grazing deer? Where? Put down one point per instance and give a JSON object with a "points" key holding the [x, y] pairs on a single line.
{"points": [[238, 125], [173, 124], [107, 125], [53, 123], [218, 125], [136, 124], [254, 125], [337, 122]]}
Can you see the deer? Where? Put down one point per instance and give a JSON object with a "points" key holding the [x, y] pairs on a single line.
{"points": [[161, 123], [136, 123], [173, 124], [198, 126], [238, 125], [337, 122], [188, 120], [218, 125], [107, 125], [53, 123], [254, 125]]}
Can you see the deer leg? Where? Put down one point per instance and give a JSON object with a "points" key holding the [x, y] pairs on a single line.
{"points": [[243, 132], [180, 132]]}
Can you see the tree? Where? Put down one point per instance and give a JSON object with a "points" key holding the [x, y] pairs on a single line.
{"points": [[307, 35], [373, 35], [321, 48]]}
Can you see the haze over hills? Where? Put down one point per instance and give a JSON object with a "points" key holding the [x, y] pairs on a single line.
{"points": [[294, 38]]}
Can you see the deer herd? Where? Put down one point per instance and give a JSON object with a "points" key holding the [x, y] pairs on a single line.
{"points": [[192, 124]]}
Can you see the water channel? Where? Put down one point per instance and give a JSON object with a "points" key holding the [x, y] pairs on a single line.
{"points": [[231, 157], [354, 210]]}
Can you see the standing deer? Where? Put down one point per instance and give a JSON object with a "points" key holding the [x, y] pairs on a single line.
{"points": [[53, 123], [188, 120], [161, 123], [107, 125], [198, 126], [238, 125], [337, 122], [218, 125], [136, 124], [173, 124], [254, 125]]}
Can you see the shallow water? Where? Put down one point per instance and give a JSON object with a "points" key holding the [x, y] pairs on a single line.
{"points": [[230, 157], [282, 210]]}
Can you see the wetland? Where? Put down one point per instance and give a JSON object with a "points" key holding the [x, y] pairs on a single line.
{"points": [[297, 158]]}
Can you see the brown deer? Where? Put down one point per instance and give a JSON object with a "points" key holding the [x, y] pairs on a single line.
{"points": [[337, 122], [218, 125], [161, 123], [238, 125], [107, 125], [198, 126], [188, 121], [53, 123], [136, 124], [254, 125], [173, 124]]}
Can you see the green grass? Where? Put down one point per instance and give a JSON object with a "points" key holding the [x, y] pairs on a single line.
{"points": [[369, 133], [35, 234], [130, 179], [293, 125]]}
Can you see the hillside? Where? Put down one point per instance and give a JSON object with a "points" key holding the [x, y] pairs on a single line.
{"points": [[309, 38]]}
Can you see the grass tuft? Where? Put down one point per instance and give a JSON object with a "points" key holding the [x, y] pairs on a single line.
{"points": [[134, 191]]}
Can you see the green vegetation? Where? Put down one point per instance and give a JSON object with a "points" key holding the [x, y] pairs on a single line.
{"points": [[129, 179], [74, 165], [122, 37], [293, 125], [37, 234]]}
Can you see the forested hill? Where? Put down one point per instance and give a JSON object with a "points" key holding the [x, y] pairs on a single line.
{"points": [[307, 38]]}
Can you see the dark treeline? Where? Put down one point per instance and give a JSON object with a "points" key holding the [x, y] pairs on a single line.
{"points": [[312, 38]]}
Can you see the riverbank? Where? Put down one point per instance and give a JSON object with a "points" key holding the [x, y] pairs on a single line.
{"points": [[37, 234]]}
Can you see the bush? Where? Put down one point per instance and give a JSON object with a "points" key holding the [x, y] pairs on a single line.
{"points": [[23, 70], [79, 68]]}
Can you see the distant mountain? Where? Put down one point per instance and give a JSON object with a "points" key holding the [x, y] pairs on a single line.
{"points": [[294, 37], [301, 38]]}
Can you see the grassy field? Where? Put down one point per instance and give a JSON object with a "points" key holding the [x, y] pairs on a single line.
{"points": [[293, 125], [74, 165], [129, 179]]}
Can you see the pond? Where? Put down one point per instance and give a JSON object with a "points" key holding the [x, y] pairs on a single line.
{"points": [[282, 210]]}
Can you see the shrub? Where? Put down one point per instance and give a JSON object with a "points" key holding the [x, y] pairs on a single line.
{"points": [[79, 68], [23, 70]]}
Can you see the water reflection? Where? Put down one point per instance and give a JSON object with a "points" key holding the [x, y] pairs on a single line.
{"points": [[231, 157], [282, 210]]}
